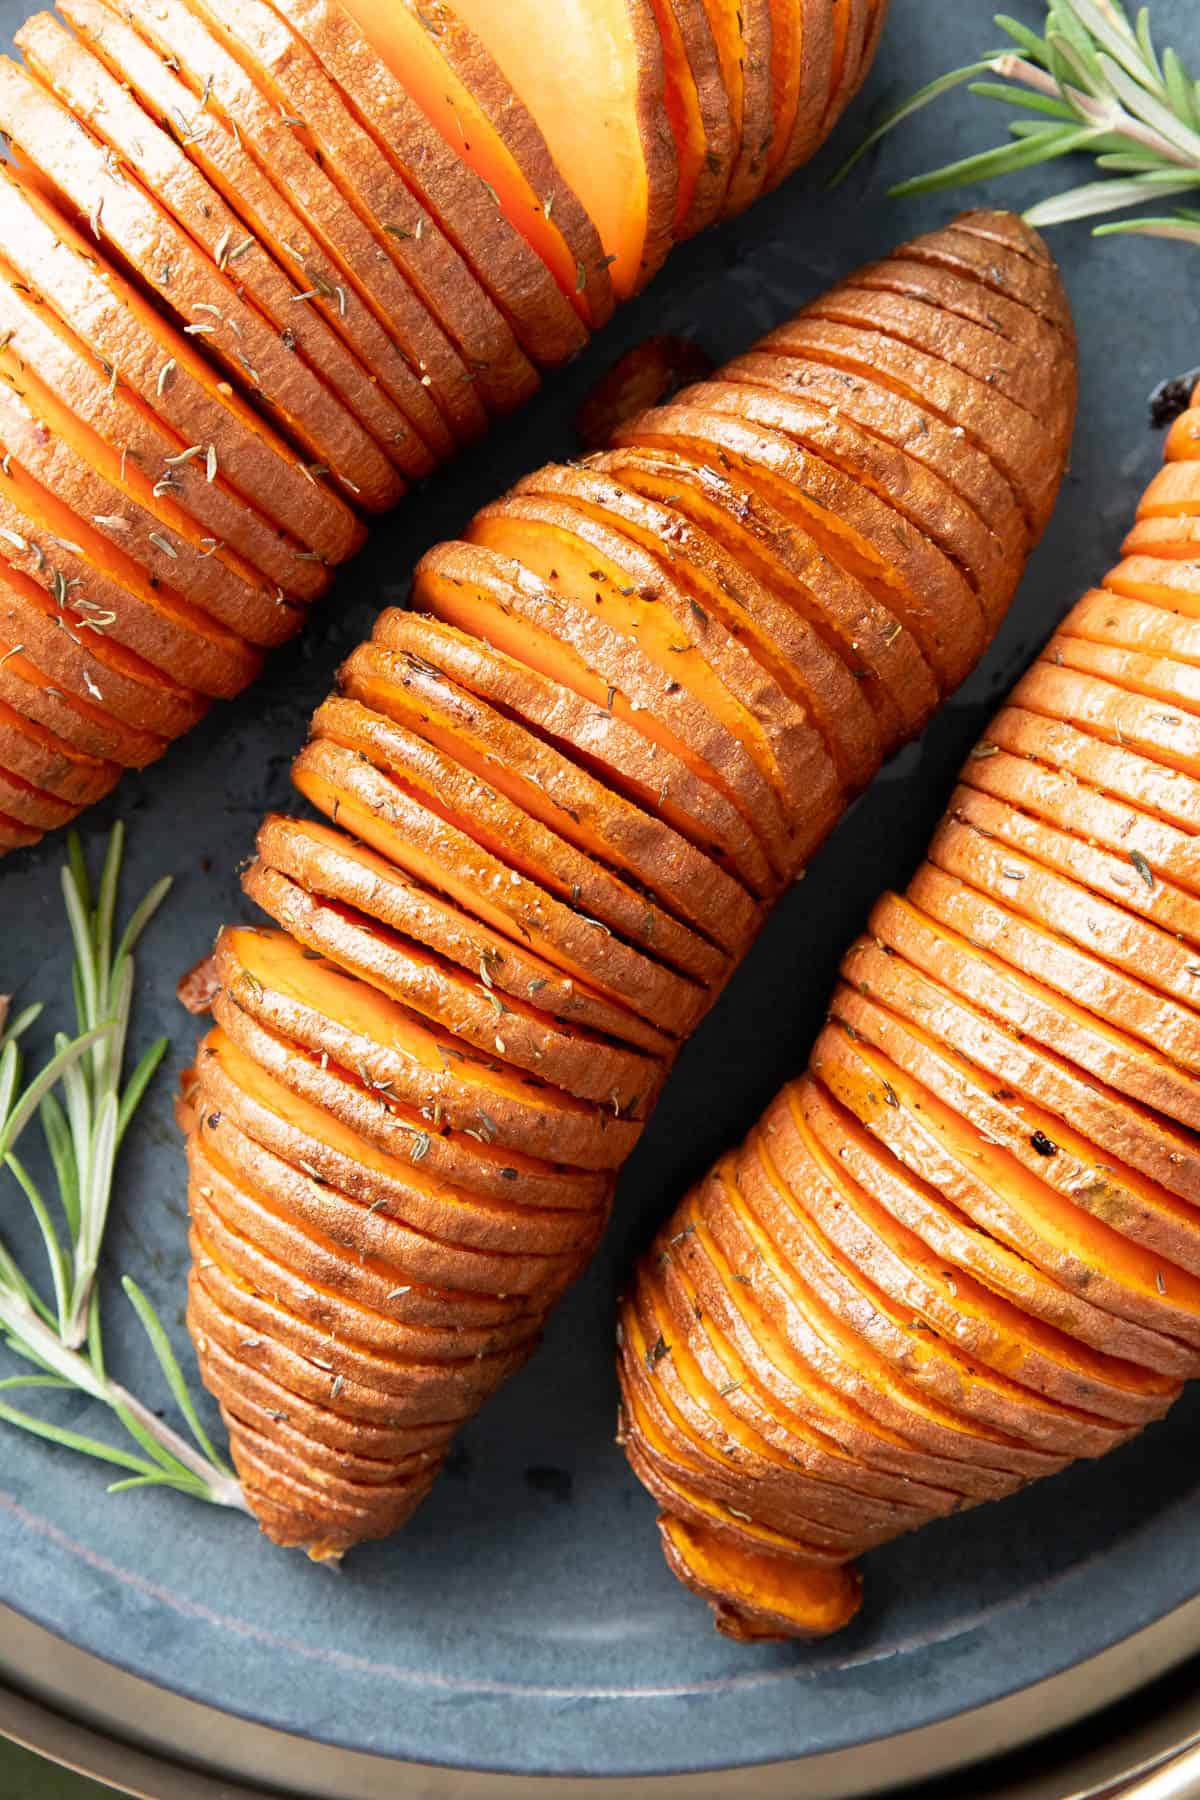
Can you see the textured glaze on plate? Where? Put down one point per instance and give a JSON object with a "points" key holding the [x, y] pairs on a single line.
{"points": [[525, 1620]]}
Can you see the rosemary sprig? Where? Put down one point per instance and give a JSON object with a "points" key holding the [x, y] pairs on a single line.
{"points": [[1093, 82], [61, 1339]]}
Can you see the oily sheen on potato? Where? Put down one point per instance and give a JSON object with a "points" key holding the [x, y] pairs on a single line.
{"points": [[962, 1249], [268, 262], [556, 799]]}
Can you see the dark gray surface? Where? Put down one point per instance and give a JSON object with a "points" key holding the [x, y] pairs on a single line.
{"points": [[525, 1619]]}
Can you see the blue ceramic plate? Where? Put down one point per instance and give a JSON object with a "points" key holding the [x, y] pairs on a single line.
{"points": [[525, 1620]]}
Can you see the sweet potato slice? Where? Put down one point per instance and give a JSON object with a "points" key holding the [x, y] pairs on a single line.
{"points": [[37, 756], [889, 415], [96, 94], [1167, 536], [796, 1357], [80, 723], [335, 248], [966, 1422], [32, 806], [1116, 714], [1113, 1125], [1129, 880], [817, 1432], [744, 45], [1156, 677], [957, 1305], [465, 1160], [987, 1183], [578, 1061], [1102, 821], [1024, 377], [1138, 1208], [755, 1596], [714, 584], [699, 111], [991, 250], [109, 419], [1061, 964], [323, 1009], [390, 790], [925, 596], [550, 54], [990, 1403], [1146, 958], [159, 364], [951, 1235], [300, 1265], [650, 775], [787, 561], [719, 1455], [87, 668], [329, 864], [63, 552], [801, 59], [137, 513], [309, 1138], [1022, 1001], [1160, 617], [146, 236], [450, 324], [703, 685], [1012, 438], [924, 501], [554, 790], [366, 187], [321, 333], [432, 61], [744, 657], [1155, 792]]}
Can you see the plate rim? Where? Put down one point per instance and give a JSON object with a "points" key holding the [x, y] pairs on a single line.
{"points": [[43, 1671]]}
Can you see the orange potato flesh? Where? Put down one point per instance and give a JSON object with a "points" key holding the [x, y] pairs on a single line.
{"points": [[418, 47], [553, 51]]}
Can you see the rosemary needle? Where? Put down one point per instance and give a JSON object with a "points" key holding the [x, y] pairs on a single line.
{"points": [[60, 1339], [1093, 81]]}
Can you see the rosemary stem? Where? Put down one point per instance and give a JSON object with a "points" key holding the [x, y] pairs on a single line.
{"points": [[20, 1320]]}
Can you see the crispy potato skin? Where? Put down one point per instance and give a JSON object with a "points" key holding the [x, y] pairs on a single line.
{"points": [[977, 1209], [557, 798]]}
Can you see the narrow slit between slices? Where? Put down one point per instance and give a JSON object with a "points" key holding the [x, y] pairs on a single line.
{"points": [[1063, 1228], [563, 563], [185, 37], [384, 689], [512, 633], [286, 73], [857, 365], [663, 965], [475, 612], [291, 499], [407, 42], [1116, 1191]]}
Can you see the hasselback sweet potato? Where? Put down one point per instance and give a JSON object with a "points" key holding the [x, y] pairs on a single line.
{"points": [[988, 1178], [558, 796], [265, 265]]}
